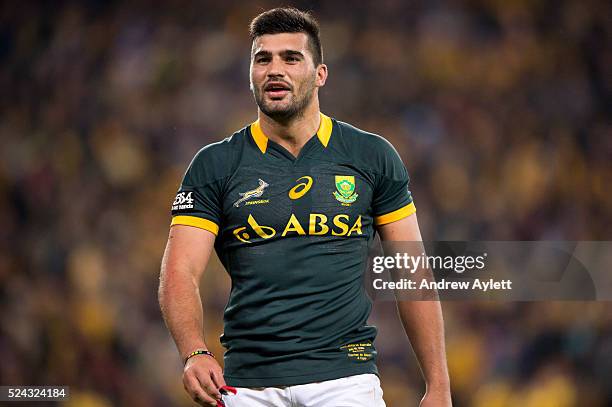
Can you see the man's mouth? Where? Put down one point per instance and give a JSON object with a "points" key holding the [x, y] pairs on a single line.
{"points": [[277, 90]]}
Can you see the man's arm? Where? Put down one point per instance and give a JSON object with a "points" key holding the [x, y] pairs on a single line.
{"points": [[185, 258], [422, 321]]}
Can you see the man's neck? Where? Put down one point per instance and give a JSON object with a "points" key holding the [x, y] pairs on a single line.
{"points": [[293, 134]]}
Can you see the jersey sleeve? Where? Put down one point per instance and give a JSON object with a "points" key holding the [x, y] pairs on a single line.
{"points": [[198, 200], [392, 199]]}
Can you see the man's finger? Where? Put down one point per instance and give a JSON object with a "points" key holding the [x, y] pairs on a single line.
{"points": [[218, 379], [206, 382], [204, 403], [204, 399], [198, 393]]}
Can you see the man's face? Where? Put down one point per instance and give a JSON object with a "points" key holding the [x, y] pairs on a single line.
{"points": [[283, 75]]}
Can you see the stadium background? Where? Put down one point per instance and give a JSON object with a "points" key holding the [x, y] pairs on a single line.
{"points": [[500, 109]]}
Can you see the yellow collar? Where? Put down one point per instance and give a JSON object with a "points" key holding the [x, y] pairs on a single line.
{"points": [[324, 133]]}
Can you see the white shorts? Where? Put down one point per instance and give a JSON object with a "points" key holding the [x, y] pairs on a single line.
{"points": [[353, 391]]}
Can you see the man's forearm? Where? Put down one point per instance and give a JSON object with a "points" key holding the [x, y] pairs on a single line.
{"points": [[422, 321], [179, 299]]}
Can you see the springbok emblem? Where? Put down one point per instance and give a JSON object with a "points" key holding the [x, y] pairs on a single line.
{"points": [[253, 193]]}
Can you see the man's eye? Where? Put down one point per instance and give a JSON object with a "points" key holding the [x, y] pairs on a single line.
{"points": [[262, 60], [292, 59]]}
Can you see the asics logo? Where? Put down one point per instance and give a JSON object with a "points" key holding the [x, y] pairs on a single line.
{"points": [[301, 188]]}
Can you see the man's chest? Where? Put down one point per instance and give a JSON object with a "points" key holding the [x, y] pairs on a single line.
{"points": [[265, 201]]}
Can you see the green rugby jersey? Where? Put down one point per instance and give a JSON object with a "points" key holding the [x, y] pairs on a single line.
{"points": [[293, 234]]}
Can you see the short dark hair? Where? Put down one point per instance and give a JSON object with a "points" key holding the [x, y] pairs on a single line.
{"points": [[289, 20]]}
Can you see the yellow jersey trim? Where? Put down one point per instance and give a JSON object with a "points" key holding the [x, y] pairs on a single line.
{"points": [[259, 137], [196, 222], [324, 133], [325, 130], [396, 215]]}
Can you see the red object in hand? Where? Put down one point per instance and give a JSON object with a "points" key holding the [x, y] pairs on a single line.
{"points": [[226, 390]]}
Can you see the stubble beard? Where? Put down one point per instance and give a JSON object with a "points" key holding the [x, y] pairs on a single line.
{"points": [[287, 113]]}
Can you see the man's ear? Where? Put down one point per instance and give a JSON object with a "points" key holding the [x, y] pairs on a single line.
{"points": [[321, 75]]}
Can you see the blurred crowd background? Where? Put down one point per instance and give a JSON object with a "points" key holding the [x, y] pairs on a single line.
{"points": [[500, 110]]}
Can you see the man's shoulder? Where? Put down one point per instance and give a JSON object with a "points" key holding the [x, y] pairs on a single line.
{"points": [[228, 145], [368, 146], [217, 160]]}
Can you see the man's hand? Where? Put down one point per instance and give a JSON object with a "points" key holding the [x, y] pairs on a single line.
{"points": [[202, 378], [437, 398]]}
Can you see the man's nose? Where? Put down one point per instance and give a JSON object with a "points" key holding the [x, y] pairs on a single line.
{"points": [[276, 67]]}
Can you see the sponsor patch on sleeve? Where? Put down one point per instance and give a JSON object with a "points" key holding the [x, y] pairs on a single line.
{"points": [[184, 201]]}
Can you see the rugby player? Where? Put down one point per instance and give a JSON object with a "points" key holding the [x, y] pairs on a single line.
{"points": [[290, 203]]}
